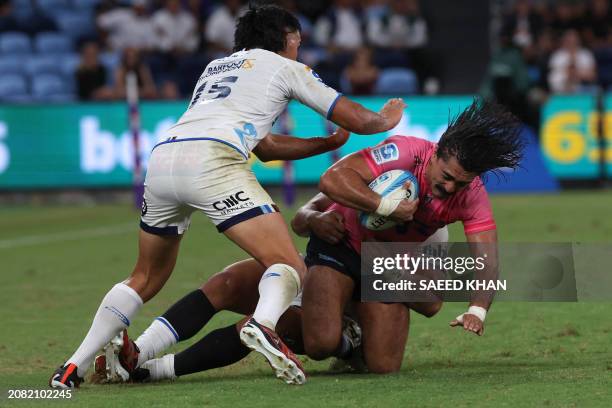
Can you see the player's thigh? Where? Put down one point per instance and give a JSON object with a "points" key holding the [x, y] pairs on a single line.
{"points": [[325, 294], [235, 287], [267, 239], [384, 330]]}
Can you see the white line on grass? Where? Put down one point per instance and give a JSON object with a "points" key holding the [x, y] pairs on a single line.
{"points": [[30, 240]]}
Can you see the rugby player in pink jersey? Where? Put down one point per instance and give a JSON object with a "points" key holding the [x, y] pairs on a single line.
{"points": [[481, 139]]}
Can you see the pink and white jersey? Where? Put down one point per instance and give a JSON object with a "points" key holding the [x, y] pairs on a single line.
{"points": [[470, 205]]}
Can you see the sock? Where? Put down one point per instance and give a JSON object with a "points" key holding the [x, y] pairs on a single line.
{"points": [[180, 322], [218, 348], [345, 349], [278, 286], [156, 338], [119, 305], [161, 368]]}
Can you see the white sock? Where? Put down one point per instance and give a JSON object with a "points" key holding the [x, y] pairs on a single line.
{"points": [[161, 368], [119, 305], [278, 286], [156, 338]]}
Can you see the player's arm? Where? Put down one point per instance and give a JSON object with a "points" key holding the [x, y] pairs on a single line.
{"points": [[301, 83], [358, 119], [483, 246], [312, 218], [346, 183], [283, 147]]}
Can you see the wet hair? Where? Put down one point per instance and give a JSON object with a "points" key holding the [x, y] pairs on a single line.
{"points": [[484, 137], [265, 27]]}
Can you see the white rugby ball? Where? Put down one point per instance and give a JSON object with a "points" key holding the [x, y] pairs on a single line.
{"points": [[390, 184]]}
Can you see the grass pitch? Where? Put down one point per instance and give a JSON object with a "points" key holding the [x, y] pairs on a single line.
{"points": [[56, 263]]}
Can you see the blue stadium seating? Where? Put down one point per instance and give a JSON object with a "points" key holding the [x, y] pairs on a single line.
{"points": [[22, 12], [50, 88], [111, 61], [13, 88], [17, 4], [11, 64], [53, 43], [85, 4], [15, 43], [53, 7], [76, 24], [42, 64], [397, 81], [69, 64]]}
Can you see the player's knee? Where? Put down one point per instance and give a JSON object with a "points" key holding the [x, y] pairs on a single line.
{"points": [[427, 309], [222, 289], [287, 273], [384, 365], [295, 262], [321, 345], [432, 309]]}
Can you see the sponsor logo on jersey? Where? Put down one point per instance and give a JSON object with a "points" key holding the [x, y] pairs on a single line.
{"points": [[314, 74], [385, 153], [234, 202], [228, 66]]}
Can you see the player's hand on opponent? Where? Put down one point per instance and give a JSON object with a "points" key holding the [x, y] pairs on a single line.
{"points": [[338, 138], [406, 208], [470, 323], [329, 226], [392, 111]]}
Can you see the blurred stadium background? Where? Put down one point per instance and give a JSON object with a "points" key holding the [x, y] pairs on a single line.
{"points": [[66, 138], [64, 66]]}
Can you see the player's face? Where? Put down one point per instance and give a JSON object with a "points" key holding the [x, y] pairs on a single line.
{"points": [[446, 177], [293, 40]]}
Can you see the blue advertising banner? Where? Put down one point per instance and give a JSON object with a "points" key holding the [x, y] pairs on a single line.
{"points": [[89, 145]]}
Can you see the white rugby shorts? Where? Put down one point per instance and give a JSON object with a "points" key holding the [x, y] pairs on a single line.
{"points": [[185, 175]]}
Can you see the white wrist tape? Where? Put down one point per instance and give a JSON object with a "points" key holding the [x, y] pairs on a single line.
{"points": [[479, 312], [387, 206]]}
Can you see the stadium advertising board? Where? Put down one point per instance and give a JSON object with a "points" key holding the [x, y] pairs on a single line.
{"points": [[569, 136], [89, 145]]}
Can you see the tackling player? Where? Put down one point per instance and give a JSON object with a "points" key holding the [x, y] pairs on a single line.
{"points": [[483, 138], [202, 165], [233, 289]]}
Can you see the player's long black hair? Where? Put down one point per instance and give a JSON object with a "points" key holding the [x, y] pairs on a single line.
{"points": [[264, 27], [484, 137]]}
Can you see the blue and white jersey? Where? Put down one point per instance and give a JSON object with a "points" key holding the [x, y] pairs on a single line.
{"points": [[238, 98]]}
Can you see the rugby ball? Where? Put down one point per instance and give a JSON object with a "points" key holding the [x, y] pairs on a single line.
{"points": [[390, 184]]}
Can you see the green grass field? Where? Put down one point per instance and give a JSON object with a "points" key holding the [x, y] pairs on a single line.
{"points": [[56, 263]]}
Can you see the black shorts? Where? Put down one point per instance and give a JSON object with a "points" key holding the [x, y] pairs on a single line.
{"points": [[340, 257]]}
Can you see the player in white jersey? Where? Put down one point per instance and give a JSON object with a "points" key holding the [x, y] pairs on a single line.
{"points": [[202, 165]]}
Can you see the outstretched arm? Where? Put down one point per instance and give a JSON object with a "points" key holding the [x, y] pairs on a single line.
{"points": [[283, 147], [483, 245], [358, 119]]}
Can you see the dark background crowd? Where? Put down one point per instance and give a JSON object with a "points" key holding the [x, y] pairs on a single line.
{"points": [[57, 50]]}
